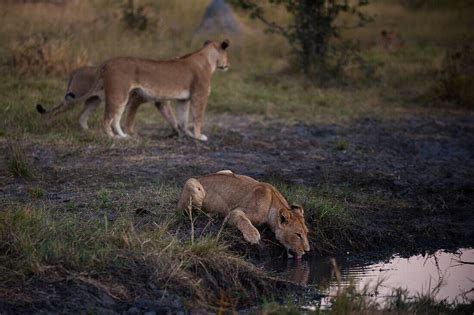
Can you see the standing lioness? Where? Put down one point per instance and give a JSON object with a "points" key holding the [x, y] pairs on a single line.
{"points": [[187, 80], [248, 202], [81, 82]]}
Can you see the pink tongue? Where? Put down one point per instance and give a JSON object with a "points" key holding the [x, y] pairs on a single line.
{"points": [[298, 256]]}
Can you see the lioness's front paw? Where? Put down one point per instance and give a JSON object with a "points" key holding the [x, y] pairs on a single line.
{"points": [[252, 235]]}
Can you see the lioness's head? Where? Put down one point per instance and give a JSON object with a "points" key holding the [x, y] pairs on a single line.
{"points": [[291, 231], [221, 53]]}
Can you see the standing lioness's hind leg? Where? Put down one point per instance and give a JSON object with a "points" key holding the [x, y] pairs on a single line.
{"points": [[116, 121], [165, 110], [193, 194], [89, 107], [134, 102], [114, 108], [182, 116]]}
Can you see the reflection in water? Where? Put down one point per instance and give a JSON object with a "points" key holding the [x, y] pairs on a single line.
{"points": [[418, 274], [297, 271]]}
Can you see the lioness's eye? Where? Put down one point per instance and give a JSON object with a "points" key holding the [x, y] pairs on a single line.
{"points": [[299, 235]]}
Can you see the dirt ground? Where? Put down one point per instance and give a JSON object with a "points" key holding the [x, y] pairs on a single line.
{"points": [[411, 181], [420, 169]]}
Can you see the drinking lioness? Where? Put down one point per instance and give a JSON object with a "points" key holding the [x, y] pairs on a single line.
{"points": [[248, 203]]}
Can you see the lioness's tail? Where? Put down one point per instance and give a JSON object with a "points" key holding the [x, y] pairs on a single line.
{"points": [[65, 105], [70, 99]]}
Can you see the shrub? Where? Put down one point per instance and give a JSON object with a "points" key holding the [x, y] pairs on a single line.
{"points": [[314, 35], [455, 82], [135, 17], [43, 55]]}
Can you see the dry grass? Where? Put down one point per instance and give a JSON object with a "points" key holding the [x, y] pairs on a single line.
{"points": [[49, 40], [33, 240], [259, 78], [16, 161], [454, 80], [40, 55]]}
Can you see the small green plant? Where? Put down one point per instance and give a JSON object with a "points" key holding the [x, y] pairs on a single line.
{"points": [[17, 163], [454, 81], [342, 145], [35, 192], [104, 198]]}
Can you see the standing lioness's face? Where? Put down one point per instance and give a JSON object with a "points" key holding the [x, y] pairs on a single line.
{"points": [[221, 62]]}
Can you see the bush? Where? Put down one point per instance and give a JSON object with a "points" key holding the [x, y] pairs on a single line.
{"points": [[315, 36], [135, 17], [40, 54], [455, 82]]}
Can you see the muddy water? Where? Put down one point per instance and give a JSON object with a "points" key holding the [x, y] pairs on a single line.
{"points": [[418, 274]]}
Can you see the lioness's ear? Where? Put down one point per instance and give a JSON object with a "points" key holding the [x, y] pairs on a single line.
{"points": [[296, 208], [207, 42], [225, 44], [284, 216]]}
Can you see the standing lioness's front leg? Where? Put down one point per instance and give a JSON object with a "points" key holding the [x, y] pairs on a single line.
{"points": [[198, 107]]}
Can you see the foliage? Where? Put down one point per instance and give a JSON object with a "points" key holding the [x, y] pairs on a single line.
{"points": [[135, 17], [313, 34], [43, 54], [454, 82]]}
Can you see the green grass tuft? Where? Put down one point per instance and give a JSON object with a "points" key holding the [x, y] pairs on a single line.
{"points": [[342, 145], [330, 224], [35, 192], [17, 163]]}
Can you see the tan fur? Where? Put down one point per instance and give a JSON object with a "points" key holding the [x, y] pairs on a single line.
{"points": [[248, 203], [187, 80], [81, 82]]}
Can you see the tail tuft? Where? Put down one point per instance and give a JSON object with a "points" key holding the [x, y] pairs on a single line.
{"points": [[40, 109]]}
